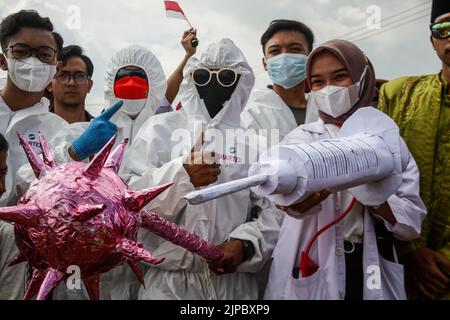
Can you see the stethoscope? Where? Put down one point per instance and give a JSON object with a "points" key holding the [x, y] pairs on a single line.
{"points": [[307, 265]]}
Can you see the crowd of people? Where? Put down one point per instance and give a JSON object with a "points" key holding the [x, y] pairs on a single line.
{"points": [[314, 90]]}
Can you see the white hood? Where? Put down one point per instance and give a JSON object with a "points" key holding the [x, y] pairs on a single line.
{"points": [[143, 58], [224, 54]]}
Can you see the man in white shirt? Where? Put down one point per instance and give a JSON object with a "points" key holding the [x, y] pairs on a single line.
{"points": [[282, 106]]}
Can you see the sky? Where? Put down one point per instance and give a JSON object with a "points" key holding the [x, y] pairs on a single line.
{"points": [[393, 34]]}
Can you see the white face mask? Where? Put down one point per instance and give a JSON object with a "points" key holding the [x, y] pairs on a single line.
{"points": [[134, 107], [30, 74], [337, 101]]}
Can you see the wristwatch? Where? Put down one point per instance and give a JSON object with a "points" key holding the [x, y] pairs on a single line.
{"points": [[249, 249]]}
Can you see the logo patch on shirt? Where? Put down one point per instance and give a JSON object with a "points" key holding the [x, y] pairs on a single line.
{"points": [[33, 140]]}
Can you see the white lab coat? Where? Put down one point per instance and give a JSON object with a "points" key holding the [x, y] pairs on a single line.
{"points": [[29, 121], [329, 281], [267, 111], [152, 161]]}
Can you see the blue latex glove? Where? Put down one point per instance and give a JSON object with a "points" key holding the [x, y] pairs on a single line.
{"points": [[97, 134]]}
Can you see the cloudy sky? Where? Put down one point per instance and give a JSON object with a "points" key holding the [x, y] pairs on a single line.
{"points": [[400, 47]]}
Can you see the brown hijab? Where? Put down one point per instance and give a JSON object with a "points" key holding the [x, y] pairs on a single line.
{"points": [[354, 61]]}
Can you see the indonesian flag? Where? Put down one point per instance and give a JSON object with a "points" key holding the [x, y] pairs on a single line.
{"points": [[173, 10]]}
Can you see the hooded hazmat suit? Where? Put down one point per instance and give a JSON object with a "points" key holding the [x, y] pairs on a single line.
{"points": [[127, 126], [157, 156], [29, 121]]}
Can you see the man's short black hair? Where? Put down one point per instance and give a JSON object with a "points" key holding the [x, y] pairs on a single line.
{"points": [[287, 25], [76, 51], [3, 143], [13, 23]]}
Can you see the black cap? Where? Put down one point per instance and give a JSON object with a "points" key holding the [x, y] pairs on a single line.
{"points": [[440, 7]]}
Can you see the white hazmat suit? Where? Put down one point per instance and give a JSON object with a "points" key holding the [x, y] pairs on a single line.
{"points": [[127, 126], [157, 156], [128, 123], [29, 121], [267, 111]]}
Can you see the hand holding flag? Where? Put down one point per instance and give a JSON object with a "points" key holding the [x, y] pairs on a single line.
{"points": [[173, 10]]}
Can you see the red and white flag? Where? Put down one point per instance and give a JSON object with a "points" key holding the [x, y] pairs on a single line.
{"points": [[173, 10]]}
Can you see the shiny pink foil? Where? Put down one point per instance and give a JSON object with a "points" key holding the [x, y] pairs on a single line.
{"points": [[173, 233], [84, 215]]}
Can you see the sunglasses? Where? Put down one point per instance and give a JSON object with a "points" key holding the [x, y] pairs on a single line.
{"points": [[122, 73], [440, 30], [226, 77]]}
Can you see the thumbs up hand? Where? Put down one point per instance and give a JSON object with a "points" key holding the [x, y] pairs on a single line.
{"points": [[199, 166]]}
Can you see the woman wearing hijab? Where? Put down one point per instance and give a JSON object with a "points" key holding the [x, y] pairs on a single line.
{"points": [[356, 257]]}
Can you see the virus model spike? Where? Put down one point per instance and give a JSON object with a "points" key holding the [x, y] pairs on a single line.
{"points": [[93, 287], [47, 155], [86, 212], [115, 159], [36, 162], [18, 259], [96, 166], [173, 233], [135, 251], [137, 271], [35, 284], [137, 200], [51, 281], [26, 215]]}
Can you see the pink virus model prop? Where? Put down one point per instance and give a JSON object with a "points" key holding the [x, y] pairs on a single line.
{"points": [[83, 215]]}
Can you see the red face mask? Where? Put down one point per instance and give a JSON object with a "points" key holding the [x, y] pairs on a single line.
{"points": [[131, 88]]}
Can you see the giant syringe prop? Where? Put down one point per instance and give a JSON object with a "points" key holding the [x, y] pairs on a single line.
{"points": [[368, 158], [218, 191]]}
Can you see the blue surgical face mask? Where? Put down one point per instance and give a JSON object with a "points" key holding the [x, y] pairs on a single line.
{"points": [[287, 69]]}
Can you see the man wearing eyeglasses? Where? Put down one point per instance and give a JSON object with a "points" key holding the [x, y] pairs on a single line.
{"points": [[421, 107], [29, 55], [71, 85]]}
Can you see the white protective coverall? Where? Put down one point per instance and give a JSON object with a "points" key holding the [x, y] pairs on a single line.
{"points": [[29, 121], [157, 156], [127, 128], [383, 279]]}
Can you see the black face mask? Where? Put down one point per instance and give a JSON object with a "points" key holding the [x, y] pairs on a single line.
{"points": [[215, 95]]}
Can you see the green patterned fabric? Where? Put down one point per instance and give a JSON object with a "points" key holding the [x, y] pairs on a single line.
{"points": [[421, 108]]}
